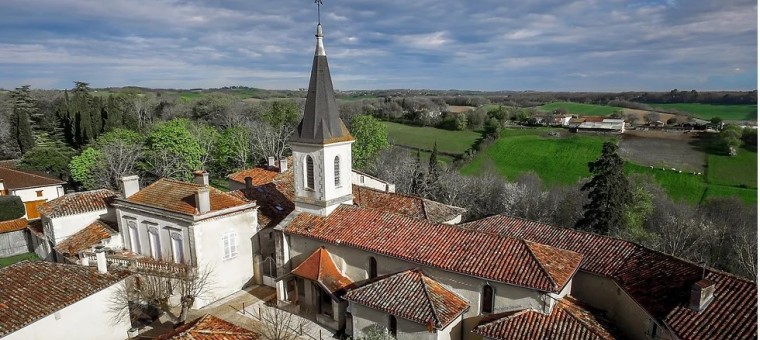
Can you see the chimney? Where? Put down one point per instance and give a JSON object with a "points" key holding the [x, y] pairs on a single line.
{"points": [[129, 185], [270, 161], [701, 295], [85, 260], [283, 165], [202, 200], [248, 182], [200, 177], [100, 256]]}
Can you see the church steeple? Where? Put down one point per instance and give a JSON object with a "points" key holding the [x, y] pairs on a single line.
{"points": [[321, 145], [321, 123]]}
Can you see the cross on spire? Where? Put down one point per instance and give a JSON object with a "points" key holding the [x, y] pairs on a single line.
{"points": [[319, 15]]}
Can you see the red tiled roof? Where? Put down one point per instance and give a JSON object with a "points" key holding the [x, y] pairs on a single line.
{"points": [[274, 199], [12, 225], [86, 238], [209, 327], [19, 179], [484, 255], [411, 295], [78, 203], [407, 205], [179, 197], [319, 267], [658, 282], [33, 290], [568, 320], [258, 175]]}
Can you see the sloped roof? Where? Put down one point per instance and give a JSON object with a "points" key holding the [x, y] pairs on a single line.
{"points": [[33, 290], [274, 198], [493, 257], [12, 225], [658, 282], [411, 295], [407, 205], [321, 123], [209, 327], [86, 238], [179, 197], [258, 175], [319, 267], [568, 320], [18, 179], [78, 203]]}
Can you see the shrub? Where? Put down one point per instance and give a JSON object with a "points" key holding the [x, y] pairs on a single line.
{"points": [[11, 208]]}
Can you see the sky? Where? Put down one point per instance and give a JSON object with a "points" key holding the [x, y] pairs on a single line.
{"points": [[544, 45]]}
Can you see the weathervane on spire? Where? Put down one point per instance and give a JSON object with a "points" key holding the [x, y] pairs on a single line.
{"points": [[319, 15]]}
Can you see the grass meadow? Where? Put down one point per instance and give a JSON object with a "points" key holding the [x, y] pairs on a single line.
{"points": [[455, 142], [707, 111], [581, 109], [740, 170], [7, 261]]}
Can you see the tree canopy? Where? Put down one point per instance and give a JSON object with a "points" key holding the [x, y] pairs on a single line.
{"points": [[608, 192], [371, 138]]}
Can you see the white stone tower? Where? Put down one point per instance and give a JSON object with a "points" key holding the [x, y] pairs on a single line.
{"points": [[321, 145]]}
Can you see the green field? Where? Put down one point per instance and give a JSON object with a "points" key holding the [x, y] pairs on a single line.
{"points": [[7, 261], [707, 111], [563, 160], [557, 160], [456, 142], [581, 109], [740, 170]]}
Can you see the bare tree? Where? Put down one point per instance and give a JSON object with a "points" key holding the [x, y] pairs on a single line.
{"points": [[278, 324], [207, 137], [118, 158], [152, 292], [164, 164], [266, 140]]}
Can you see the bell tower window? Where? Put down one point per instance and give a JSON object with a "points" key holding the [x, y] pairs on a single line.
{"points": [[309, 172], [336, 166]]}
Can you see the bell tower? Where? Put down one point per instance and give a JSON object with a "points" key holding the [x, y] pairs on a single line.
{"points": [[321, 145]]}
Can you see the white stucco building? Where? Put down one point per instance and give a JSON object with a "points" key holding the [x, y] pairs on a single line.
{"points": [[34, 190]]}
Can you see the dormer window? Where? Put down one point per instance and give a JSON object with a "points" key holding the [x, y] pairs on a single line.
{"points": [[336, 166], [309, 173]]}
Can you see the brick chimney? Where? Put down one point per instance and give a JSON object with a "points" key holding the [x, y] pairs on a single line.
{"points": [[203, 200], [248, 182], [100, 256], [270, 161], [283, 165], [701, 295], [200, 177], [129, 185]]}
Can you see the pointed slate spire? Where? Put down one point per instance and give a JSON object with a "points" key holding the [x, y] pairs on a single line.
{"points": [[321, 122]]}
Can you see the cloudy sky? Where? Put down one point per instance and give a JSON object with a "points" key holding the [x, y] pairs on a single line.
{"points": [[585, 45]]}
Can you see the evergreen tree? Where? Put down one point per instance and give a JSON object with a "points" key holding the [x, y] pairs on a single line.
{"points": [[434, 173], [23, 108], [608, 192], [80, 112], [419, 183]]}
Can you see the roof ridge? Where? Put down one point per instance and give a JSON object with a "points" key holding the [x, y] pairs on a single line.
{"points": [[540, 265], [566, 310], [35, 175], [431, 303]]}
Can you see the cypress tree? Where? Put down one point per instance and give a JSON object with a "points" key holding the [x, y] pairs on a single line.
{"points": [[608, 192], [80, 108], [418, 178], [434, 172], [23, 108]]}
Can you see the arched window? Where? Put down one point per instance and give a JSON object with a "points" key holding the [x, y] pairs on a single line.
{"points": [[486, 303], [336, 166], [372, 268], [309, 172], [392, 325]]}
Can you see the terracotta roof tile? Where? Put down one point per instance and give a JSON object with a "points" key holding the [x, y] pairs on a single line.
{"points": [[33, 290], [13, 225], [35, 226], [209, 327], [407, 205], [78, 203], [568, 320], [658, 282], [411, 295], [484, 255], [86, 238], [258, 175], [274, 199], [19, 179], [179, 197], [319, 267]]}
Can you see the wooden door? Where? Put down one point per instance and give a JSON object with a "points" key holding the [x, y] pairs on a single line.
{"points": [[31, 209]]}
